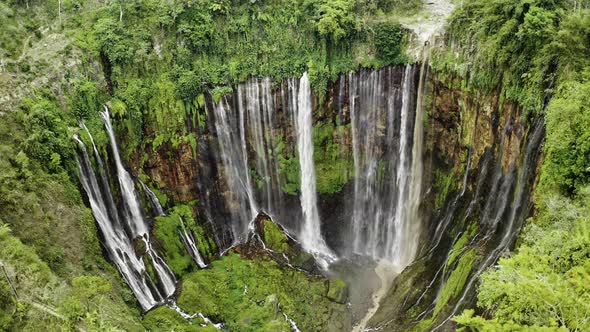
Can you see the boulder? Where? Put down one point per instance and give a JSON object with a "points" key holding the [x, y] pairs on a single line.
{"points": [[337, 290]]}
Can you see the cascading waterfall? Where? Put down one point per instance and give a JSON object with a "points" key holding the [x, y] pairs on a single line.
{"points": [[249, 123], [235, 164], [410, 230], [386, 132], [384, 107], [191, 245], [184, 233], [116, 242], [121, 228], [514, 189], [156, 206], [247, 131], [134, 217], [311, 235], [261, 111]]}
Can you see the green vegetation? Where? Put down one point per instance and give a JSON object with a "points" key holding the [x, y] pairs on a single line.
{"points": [[389, 42], [337, 290], [536, 54], [289, 168], [164, 318], [91, 301], [444, 183], [334, 168], [163, 57], [457, 279], [545, 284], [461, 243], [155, 63], [568, 119], [523, 47], [167, 228], [249, 295], [48, 243], [274, 238]]}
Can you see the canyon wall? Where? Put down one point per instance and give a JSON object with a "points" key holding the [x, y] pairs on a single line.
{"points": [[479, 158]]}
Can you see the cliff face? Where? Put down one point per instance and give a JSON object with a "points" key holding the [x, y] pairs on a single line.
{"points": [[482, 161], [270, 144], [479, 168]]}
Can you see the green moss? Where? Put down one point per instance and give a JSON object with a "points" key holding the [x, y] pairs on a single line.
{"points": [[166, 230], [164, 318], [174, 252], [149, 268], [459, 246], [454, 285], [422, 326], [337, 290], [191, 139], [288, 167], [239, 293], [334, 168], [205, 243], [160, 195], [274, 238], [444, 182]]}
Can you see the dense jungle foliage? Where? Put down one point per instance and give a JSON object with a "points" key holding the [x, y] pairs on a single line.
{"points": [[154, 62], [537, 53]]}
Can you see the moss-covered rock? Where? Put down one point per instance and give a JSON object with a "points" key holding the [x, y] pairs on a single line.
{"points": [[304, 261], [167, 230], [250, 294], [139, 246], [166, 319], [271, 240], [454, 285], [334, 166], [337, 290], [274, 237]]}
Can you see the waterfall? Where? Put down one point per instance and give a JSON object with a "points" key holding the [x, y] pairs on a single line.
{"points": [[120, 228], [387, 139], [247, 129], [386, 115], [132, 208], [514, 190], [191, 245], [185, 235], [412, 226], [156, 206], [232, 144], [311, 235], [116, 242], [246, 124], [397, 235]]}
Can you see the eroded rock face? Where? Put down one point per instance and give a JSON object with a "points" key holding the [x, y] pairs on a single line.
{"points": [[491, 152]]}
